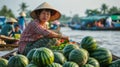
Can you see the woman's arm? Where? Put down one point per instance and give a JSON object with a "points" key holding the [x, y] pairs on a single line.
{"points": [[47, 33]]}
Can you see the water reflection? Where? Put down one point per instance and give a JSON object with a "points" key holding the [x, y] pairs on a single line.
{"points": [[107, 39]]}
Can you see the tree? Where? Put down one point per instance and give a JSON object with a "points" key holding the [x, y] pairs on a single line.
{"points": [[88, 12], [23, 7], [113, 10], [104, 8], [10, 13], [92, 12], [6, 12], [95, 12]]}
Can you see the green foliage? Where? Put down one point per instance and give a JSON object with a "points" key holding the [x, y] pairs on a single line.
{"points": [[60, 47], [6, 12], [114, 10], [23, 6], [104, 8]]}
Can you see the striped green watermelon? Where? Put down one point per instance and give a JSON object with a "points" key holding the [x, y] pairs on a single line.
{"points": [[115, 63], [87, 65], [31, 65], [79, 56], [103, 56], [54, 65], [93, 62], [67, 49], [59, 58], [85, 51], [18, 61], [89, 43], [3, 62], [30, 54], [70, 64], [43, 57]]}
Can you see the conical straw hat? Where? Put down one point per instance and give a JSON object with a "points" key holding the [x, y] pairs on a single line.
{"points": [[22, 14], [45, 5], [11, 20]]}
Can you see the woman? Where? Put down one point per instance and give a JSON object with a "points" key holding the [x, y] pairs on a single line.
{"points": [[8, 28], [37, 31], [21, 20]]}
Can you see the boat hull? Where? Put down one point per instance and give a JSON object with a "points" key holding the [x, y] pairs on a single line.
{"points": [[96, 28]]}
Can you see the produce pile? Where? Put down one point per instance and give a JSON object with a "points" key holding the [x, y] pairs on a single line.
{"points": [[85, 54]]}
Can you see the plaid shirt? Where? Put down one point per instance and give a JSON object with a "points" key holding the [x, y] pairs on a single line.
{"points": [[33, 32]]}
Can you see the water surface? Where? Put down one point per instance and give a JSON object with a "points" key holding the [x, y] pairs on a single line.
{"points": [[107, 39]]}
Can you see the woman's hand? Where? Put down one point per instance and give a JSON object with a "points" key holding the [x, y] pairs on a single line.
{"points": [[65, 38]]}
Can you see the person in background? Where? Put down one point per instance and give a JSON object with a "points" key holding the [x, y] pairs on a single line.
{"points": [[17, 32], [21, 20], [8, 28], [37, 34], [98, 24], [55, 26], [109, 22]]}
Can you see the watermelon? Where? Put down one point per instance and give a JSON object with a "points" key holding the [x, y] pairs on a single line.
{"points": [[67, 49], [103, 56], [93, 62], [79, 56], [18, 61], [59, 58], [70, 64], [89, 43], [43, 57], [30, 54], [54, 65], [115, 63], [87, 65], [31, 65], [85, 51], [3, 62]]}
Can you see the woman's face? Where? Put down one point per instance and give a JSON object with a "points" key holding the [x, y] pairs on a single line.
{"points": [[44, 16]]}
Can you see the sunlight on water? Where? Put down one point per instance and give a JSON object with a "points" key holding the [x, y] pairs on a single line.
{"points": [[3, 52], [107, 39]]}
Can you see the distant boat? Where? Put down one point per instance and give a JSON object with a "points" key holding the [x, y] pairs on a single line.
{"points": [[97, 28], [90, 20]]}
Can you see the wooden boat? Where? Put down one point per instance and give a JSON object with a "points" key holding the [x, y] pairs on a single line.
{"points": [[89, 23], [11, 53], [96, 28], [9, 40], [7, 43], [4, 47]]}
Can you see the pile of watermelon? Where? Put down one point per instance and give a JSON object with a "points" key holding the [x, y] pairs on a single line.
{"points": [[86, 54]]}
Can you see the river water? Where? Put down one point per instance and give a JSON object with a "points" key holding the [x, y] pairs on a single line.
{"points": [[106, 39]]}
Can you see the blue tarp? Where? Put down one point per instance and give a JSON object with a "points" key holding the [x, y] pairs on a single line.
{"points": [[2, 20]]}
